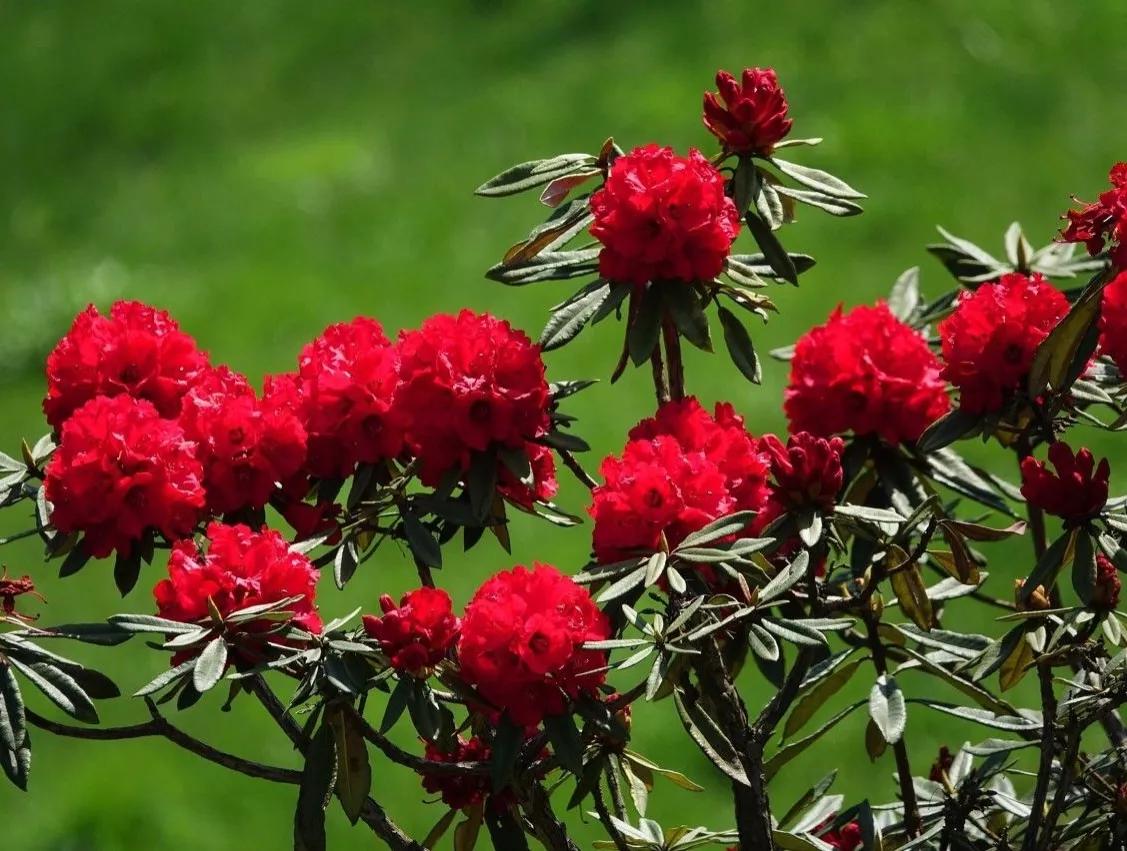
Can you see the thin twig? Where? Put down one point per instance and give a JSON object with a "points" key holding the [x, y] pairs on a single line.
{"points": [[577, 470], [1049, 719]]}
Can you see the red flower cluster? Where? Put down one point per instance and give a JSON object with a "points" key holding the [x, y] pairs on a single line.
{"points": [[1075, 493], [867, 372], [753, 116], [135, 351], [347, 380], [989, 340], [542, 488], [1103, 221], [845, 838], [522, 641], [416, 634], [459, 791], [121, 471], [680, 470], [241, 568], [1113, 322], [663, 217], [470, 382], [807, 472], [245, 444], [1108, 585]]}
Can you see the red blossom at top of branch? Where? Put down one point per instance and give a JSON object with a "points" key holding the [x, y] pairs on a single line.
{"points": [[1113, 322], [1076, 492], [867, 372], [416, 634], [749, 115], [660, 216], [990, 339], [1103, 221], [135, 350]]}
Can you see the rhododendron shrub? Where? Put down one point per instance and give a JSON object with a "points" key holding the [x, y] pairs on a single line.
{"points": [[748, 584]]}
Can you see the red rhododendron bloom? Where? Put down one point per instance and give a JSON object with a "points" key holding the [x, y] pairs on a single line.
{"points": [[1075, 492], [1113, 322], [1108, 585], [845, 838], [867, 372], [522, 640], [990, 338], [459, 791], [136, 351], [681, 470], [246, 445], [1103, 221], [752, 118], [120, 471], [416, 634], [241, 568], [470, 382], [663, 217], [347, 379], [543, 486], [806, 472]]}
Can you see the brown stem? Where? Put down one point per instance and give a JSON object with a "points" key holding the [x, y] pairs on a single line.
{"points": [[604, 817], [674, 364], [1049, 718], [1064, 783], [661, 389], [549, 829]]}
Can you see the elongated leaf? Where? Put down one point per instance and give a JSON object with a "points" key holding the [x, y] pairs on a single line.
{"points": [[952, 426], [788, 752], [740, 347], [567, 744], [908, 585], [1084, 567], [354, 772], [1048, 566], [780, 262], [887, 708], [645, 327], [534, 173], [17, 763], [821, 181], [818, 696], [506, 748], [833, 206], [165, 678], [710, 739], [546, 266], [688, 314], [424, 546], [762, 643], [1054, 358], [982, 716], [623, 585], [210, 665], [795, 631], [60, 688], [572, 316], [13, 724], [317, 781], [905, 295], [785, 579]]}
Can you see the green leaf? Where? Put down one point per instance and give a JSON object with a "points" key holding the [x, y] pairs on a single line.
{"points": [[887, 708], [396, 703], [684, 304], [908, 585], [1048, 566], [753, 266], [572, 316], [952, 426], [722, 527], [740, 347], [60, 688], [833, 206], [905, 295], [789, 752], [709, 738], [772, 249], [982, 716], [762, 643], [534, 173], [354, 772], [13, 724], [795, 632], [1055, 357], [617, 589], [507, 741], [210, 665], [744, 182], [17, 763], [165, 678], [645, 327], [821, 181], [318, 778], [424, 546], [566, 741], [546, 266], [126, 571], [1084, 567], [818, 696]]}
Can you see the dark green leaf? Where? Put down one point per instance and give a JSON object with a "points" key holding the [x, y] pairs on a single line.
{"points": [[354, 772], [17, 763], [396, 703], [546, 266], [1048, 566], [423, 544], [566, 741], [572, 316], [645, 326], [534, 173], [772, 249], [1055, 356], [709, 738], [13, 725], [789, 752], [126, 570], [318, 778], [165, 678], [818, 696], [952, 426], [688, 314], [740, 347], [60, 688], [1084, 567], [507, 741]]}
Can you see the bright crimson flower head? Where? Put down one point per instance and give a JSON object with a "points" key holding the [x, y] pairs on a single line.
{"points": [[347, 379], [680, 470], [1113, 322], [807, 472], [136, 351], [522, 640], [663, 217], [748, 116], [246, 445], [991, 337], [240, 568], [469, 383], [867, 372], [1076, 492], [120, 471], [459, 791], [418, 632], [544, 485], [845, 838], [1108, 585], [1104, 221]]}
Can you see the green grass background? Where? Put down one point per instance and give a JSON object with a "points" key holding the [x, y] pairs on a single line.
{"points": [[263, 169]]}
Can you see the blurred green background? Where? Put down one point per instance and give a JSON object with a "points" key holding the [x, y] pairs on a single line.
{"points": [[263, 169]]}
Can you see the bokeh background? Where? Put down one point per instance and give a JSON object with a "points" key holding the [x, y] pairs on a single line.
{"points": [[264, 169]]}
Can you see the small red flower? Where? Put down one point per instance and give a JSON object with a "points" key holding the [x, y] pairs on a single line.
{"points": [[136, 351], [544, 485], [347, 380], [680, 470], [11, 587], [241, 568], [470, 382], [1108, 585], [1104, 221], [807, 472], [522, 640], [1113, 322], [867, 372], [416, 634], [942, 765], [121, 471], [459, 791], [991, 337], [663, 217], [1076, 492], [246, 445], [752, 118], [845, 838]]}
